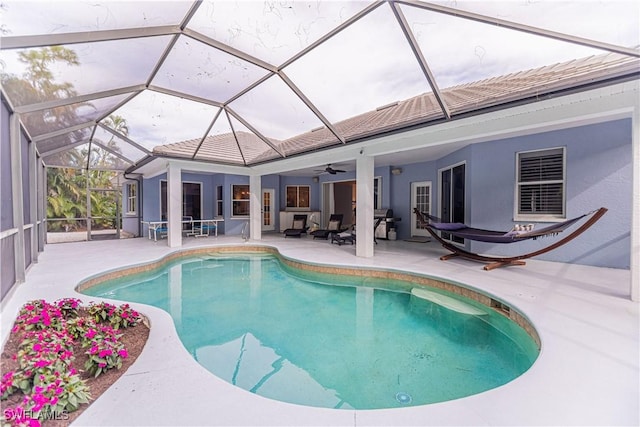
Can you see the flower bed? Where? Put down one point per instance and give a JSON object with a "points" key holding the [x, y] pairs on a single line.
{"points": [[54, 354]]}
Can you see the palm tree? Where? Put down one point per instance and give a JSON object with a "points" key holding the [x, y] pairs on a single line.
{"points": [[67, 188]]}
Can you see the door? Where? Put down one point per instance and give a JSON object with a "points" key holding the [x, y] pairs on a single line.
{"points": [[103, 214], [452, 195], [268, 209], [421, 199], [191, 200]]}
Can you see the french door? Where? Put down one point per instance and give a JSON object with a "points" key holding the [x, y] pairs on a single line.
{"points": [[268, 209], [421, 199], [452, 196]]}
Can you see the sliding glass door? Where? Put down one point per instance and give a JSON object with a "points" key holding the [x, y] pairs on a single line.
{"points": [[191, 199], [452, 195]]}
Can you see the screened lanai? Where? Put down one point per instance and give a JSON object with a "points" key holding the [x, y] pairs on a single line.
{"points": [[243, 83], [259, 87]]}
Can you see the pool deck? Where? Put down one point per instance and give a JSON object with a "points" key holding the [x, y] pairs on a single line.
{"points": [[588, 371]]}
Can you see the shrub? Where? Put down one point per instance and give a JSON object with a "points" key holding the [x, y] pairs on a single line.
{"points": [[48, 334], [105, 350], [119, 317]]}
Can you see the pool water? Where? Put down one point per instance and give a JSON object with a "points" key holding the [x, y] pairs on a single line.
{"points": [[326, 340]]}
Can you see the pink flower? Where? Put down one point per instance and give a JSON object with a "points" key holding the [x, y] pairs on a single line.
{"points": [[42, 363], [102, 365], [93, 349], [123, 353], [90, 333], [105, 353]]}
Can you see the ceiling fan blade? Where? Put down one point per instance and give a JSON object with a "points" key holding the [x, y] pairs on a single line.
{"points": [[338, 170]]}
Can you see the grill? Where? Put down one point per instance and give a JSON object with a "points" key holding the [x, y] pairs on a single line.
{"points": [[384, 221]]}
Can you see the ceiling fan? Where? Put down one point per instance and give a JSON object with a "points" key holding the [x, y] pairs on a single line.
{"points": [[330, 170]]}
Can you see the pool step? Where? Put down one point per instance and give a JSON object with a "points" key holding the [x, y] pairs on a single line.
{"points": [[448, 302]]}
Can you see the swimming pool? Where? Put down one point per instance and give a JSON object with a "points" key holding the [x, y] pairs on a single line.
{"points": [[318, 339]]}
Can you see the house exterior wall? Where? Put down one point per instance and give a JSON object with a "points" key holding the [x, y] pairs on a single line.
{"points": [[598, 174]]}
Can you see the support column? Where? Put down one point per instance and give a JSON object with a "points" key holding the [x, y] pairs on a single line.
{"points": [[364, 206], [174, 205], [18, 196], [255, 206], [33, 195], [42, 205], [87, 189], [635, 208]]}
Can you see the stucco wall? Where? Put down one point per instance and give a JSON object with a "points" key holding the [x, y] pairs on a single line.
{"points": [[598, 173]]}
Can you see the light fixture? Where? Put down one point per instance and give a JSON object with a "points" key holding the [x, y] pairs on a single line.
{"points": [[396, 171]]}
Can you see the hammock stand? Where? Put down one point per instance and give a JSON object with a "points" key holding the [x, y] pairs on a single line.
{"points": [[490, 236]]}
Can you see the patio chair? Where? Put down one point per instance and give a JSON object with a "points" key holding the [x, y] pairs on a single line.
{"points": [[202, 228], [298, 227], [344, 237], [433, 225], [187, 225], [159, 230], [334, 226]]}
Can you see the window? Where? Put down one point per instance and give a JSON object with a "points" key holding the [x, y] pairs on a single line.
{"points": [[240, 200], [453, 182], [219, 201], [541, 184], [191, 199], [298, 197], [132, 198], [377, 192]]}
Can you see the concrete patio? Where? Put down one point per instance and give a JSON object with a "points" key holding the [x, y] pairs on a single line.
{"points": [[587, 372]]}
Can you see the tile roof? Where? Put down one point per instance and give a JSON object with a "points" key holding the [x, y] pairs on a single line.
{"points": [[535, 83]]}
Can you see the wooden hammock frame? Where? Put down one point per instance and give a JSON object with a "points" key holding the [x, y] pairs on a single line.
{"points": [[497, 261]]}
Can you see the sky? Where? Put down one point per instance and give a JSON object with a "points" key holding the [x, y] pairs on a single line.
{"points": [[366, 66]]}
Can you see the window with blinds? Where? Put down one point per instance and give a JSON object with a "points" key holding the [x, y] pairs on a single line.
{"points": [[541, 183]]}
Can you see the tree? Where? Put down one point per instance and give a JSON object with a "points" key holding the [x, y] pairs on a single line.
{"points": [[67, 187]]}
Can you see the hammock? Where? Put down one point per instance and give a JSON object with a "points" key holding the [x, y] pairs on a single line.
{"points": [[433, 225]]}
